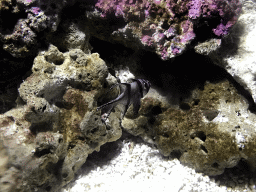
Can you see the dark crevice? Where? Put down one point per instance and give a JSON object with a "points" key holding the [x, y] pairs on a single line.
{"points": [[241, 175], [64, 175], [200, 134], [94, 130], [48, 188], [152, 120], [7, 25], [40, 127], [176, 154], [71, 145], [196, 101], [156, 110], [64, 105], [12, 73], [184, 106], [215, 165], [203, 28], [40, 153], [204, 148], [176, 78]]}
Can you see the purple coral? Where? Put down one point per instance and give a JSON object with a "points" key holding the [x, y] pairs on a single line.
{"points": [[35, 10], [194, 9], [227, 10], [122, 8], [174, 21], [147, 40]]}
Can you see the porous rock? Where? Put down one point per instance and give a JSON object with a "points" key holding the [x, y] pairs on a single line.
{"points": [[22, 20], [237, 53], [71, 34], [209, 132], [165, 27], [55, 127]]}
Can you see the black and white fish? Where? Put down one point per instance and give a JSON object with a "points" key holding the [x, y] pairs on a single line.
{"points": [[130, 93]]}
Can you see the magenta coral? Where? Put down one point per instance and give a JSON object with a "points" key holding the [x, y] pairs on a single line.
{"points": [[173, 21], [35, 10], [227, 10], [194, 9]]}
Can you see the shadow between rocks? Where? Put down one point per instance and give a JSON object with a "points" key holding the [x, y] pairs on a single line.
{"points": [[240, 177], [96, 159], [176, 78]]}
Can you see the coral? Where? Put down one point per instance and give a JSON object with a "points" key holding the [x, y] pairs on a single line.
{"points": [[56, 126], [167, 27]]}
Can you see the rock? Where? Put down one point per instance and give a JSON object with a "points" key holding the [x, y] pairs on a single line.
{"points": [[3, 165], [22, 21], [207, 47], [71, 34], [164, 27], [48, 137], [237, 52], [209, 132]]}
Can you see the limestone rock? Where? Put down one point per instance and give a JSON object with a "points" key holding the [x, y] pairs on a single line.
{"points": [[164, 27], [237, 53], [211, 131], [55, 127], [71, 34], [22, 20]]}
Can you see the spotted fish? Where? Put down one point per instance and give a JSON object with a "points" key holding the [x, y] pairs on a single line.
{"points": [[130, 93]]}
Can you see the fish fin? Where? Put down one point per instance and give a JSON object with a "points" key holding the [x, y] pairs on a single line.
{"points": [[107, 110], [113, 86], [114, 100], [111, 102], [126, 107], [127, 98], [123, 98], [123, 87], [136, 105]]}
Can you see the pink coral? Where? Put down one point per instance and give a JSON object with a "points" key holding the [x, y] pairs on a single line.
{"points": [[35, 10], [174, 21]]}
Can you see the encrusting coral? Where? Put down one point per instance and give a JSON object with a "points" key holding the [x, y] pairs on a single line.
{"points": [[167, 27]]}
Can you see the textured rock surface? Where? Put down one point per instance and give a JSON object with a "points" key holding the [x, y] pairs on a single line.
{"points": [[46, 139], [49, 136], [23, 20], [237, 55], [165, 27], [71, 34], [210, 131]]}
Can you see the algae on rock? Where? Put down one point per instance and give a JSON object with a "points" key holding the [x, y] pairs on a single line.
{"points": [[203, 131], [56, 126]]}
